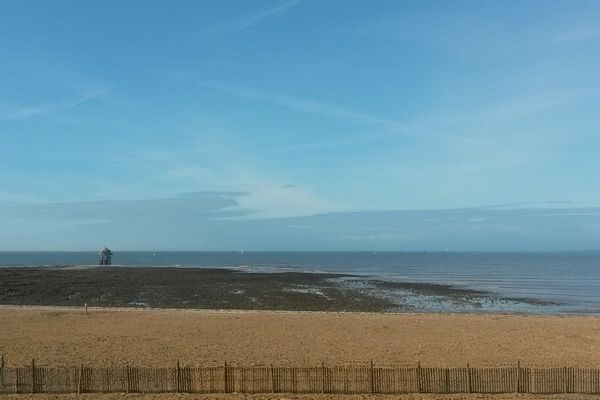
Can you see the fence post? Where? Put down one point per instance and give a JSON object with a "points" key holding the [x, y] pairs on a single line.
{"points": [[85, 308], [323, 377], [225, 376], [469, 389], [32, 375], [518, 383], [372, 378], [80, 380], [565, 379], [128, 379], [272, 379], [419, 376], [447, 380], [17, 381], [178, 377], [2, 372]]}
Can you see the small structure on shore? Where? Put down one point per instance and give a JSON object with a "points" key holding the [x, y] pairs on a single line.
{"points": [[104, 256]]}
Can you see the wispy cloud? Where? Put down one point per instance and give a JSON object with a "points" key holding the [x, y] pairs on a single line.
{"points": [[248, 21], [518, 107], [476, 136], [460, 35], [577, 33], [473, 129], [191, 206], [299, 104], [220, 164], [15, 113], [252, 20]]}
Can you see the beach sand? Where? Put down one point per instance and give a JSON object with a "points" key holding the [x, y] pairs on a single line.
{"points": [[65, 336]]}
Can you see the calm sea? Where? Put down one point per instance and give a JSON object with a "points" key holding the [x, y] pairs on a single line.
{"points": [[571, 278]]}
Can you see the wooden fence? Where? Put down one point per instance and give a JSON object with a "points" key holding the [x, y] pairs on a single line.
{"points": [[285, 379]]}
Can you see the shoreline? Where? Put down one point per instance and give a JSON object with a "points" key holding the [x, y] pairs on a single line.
{"points": [[224, 311], [231, 288]]}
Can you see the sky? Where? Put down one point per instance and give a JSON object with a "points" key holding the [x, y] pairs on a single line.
{"points": [[299, 125]]}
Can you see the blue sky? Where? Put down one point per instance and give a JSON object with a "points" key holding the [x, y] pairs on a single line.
{"points": [[299, 124]]}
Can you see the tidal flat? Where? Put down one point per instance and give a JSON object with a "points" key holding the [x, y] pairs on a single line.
{"points": [[221, 288]]}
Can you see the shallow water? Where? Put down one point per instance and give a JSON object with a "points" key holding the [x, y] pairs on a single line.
{"points": [[569, 278]]}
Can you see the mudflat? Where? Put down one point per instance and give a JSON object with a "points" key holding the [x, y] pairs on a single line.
{"points": [[204, 288], [172, 287], [65, 336]]}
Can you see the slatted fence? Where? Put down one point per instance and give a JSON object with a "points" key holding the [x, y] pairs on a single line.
{"points": [[286, 379]]}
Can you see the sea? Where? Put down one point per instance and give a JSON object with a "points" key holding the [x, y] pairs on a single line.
{"points": [[568, 280]]}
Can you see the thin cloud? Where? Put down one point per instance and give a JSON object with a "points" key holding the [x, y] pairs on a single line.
{"points": [[85, 97], [252, 20], [248, 21], [514, 108], [188, 206], [25, 112], [432, 126], [577, 34], [298, 104]]}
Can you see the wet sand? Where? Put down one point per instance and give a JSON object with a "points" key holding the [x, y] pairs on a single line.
{"points": [[169, 287], [200, 288]]}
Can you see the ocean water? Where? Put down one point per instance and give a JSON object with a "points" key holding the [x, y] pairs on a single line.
{"points": [[571, 279]]}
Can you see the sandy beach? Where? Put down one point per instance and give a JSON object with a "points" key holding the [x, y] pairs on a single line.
{"points": [[65, 336]]}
